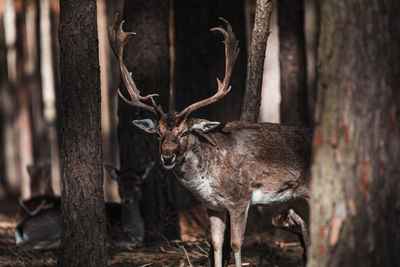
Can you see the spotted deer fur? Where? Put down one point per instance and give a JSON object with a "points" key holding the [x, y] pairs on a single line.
{"points": [[231, 166]]}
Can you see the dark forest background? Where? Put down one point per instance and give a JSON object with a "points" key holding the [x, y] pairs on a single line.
{"points": [[333, 66]]}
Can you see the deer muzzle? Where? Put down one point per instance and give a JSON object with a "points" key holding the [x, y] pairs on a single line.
{"points": [[168, 160]]}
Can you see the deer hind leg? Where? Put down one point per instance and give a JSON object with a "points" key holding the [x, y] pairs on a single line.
{"points": [[217, 221], [238, 227], [292, 222]]}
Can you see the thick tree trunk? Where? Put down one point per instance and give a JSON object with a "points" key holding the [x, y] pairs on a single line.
{"points": [[147, 57], [355, 202], [292, 57], [199, 60], [200, 56], [82, 209], [255, 65]]}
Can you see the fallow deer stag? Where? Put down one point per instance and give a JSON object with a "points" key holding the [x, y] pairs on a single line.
{"points": [[231, 166], [125, 227]]}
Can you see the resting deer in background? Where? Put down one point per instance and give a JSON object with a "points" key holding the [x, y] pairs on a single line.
{"points": [[228, 167], [125, 226], [42, 192]]}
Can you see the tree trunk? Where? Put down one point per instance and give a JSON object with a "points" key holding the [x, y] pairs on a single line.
{"points": [[23, 118], [3, 88], [255, 65], [355, 201], [41, 151], [108, 114], [200, 57], [292, 57], [147, 57], [199, 60], [9, 102], [82, 210]]}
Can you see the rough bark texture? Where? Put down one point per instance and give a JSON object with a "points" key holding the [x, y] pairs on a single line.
{"points": [[355, 211], [292, 57], [255, 65], [82, 209], [146, 56]]}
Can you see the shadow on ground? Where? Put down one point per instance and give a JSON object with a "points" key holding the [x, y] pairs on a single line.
{"points": [[272, 247]]}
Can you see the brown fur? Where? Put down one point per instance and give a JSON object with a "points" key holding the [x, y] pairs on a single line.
{"points": [[232, 166]]}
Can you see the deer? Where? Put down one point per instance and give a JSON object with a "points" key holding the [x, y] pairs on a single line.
{"points": [[227, 166], [42, 193], [125, 227]]}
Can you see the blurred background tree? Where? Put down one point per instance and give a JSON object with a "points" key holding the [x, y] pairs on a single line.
{"points": [[355, 202]]}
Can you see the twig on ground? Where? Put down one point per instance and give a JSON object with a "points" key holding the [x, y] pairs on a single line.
{"points": [[187, 256]]}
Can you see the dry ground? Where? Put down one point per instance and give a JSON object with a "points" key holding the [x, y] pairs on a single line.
{"points": [[261, 248]]}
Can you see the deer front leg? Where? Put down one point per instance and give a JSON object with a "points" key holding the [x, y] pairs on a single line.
{"points": [[238, 226], [217, 221]]}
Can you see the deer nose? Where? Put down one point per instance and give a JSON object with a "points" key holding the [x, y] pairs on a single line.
{"points": [[127, 200], [168, 158]]}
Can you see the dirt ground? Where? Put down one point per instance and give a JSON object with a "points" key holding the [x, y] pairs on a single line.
{"points": [[261, 248]]}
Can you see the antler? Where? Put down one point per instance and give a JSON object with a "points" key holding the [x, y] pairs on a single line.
{"points": [[119, 39], [231, 53]]}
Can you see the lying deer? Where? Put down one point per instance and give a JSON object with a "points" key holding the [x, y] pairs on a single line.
{"points": [[231, 166], [42, 192], [125, 226]]}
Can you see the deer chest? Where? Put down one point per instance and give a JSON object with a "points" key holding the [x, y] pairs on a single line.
{"points": [[201, 182]]}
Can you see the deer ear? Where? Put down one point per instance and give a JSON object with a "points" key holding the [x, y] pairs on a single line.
{"points": [[113, 172], [146, 125], [203, 126], [147, 170], [31, 169], [144, 172]]}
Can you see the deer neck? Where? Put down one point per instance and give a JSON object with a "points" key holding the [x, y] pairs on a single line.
{"points": [[195, 158], [131, 219]]}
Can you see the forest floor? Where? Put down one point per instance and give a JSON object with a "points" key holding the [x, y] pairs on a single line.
{"points": [[261, 248]]}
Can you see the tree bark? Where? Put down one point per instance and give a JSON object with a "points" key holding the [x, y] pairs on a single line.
{"points": [[355, 201], [82, 210], [255, 65], [147, 57], [292, 57]]}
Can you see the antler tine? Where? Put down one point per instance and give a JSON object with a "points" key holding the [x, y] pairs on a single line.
{"points": [[119, 39], [157, 109], [231, 53]]}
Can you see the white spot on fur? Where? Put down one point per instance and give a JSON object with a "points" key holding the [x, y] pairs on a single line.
{"points": [[47, 245], [204, 126], [199, 182], [259, 197], [223, 152], [18, 238]]}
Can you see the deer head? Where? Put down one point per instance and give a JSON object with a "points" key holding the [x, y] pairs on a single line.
{"points": [[129, 182], [173, 129]]}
